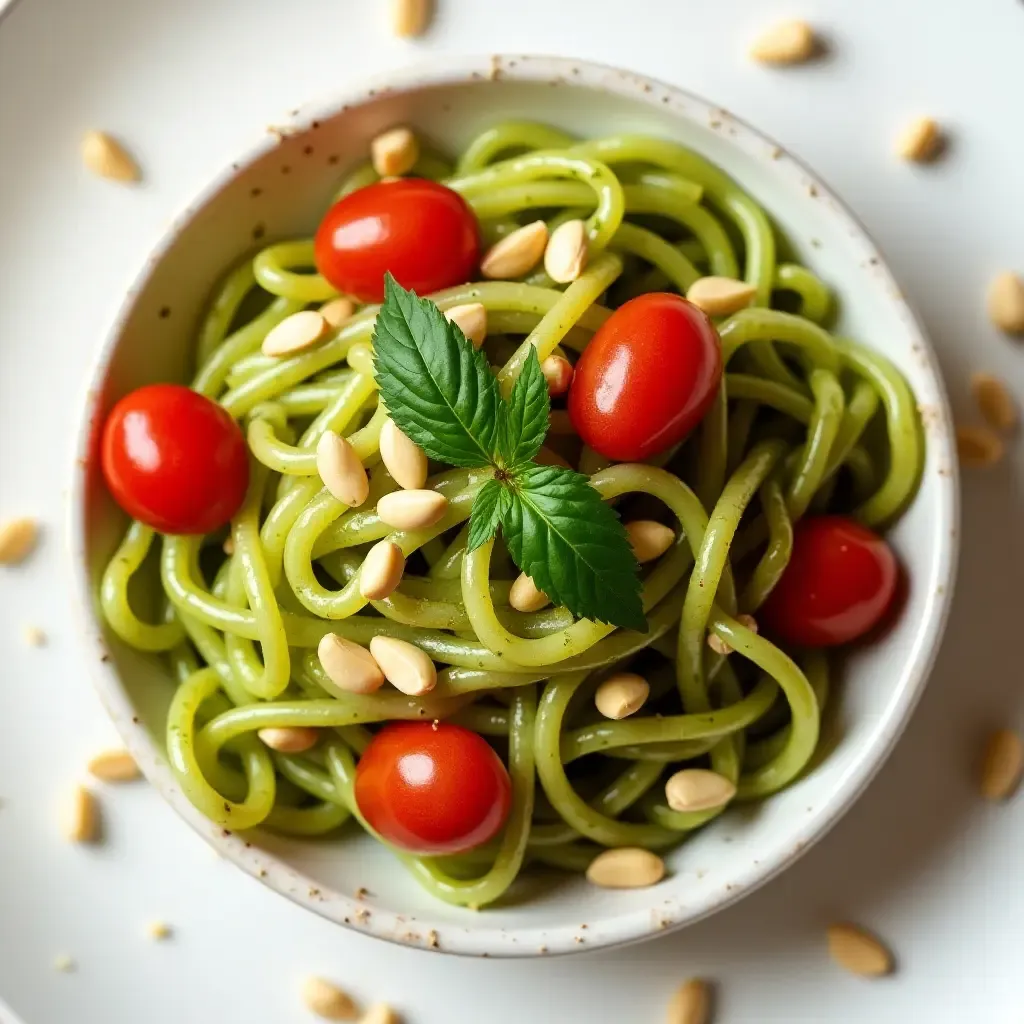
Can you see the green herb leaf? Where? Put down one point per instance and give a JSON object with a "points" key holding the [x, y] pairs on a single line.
{"points": [[492, 501], [437, 388], [524, 417], [562, 535]]}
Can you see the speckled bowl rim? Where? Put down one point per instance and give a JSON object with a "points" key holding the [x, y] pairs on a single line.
{"points": [[637, 923]]}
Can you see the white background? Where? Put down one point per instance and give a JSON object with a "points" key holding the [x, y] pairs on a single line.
{"points": [[189, 83]]}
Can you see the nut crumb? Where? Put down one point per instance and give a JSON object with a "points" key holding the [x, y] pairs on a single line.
{"points": [[159, 930], [64, 963], [432, 940], [34, 636]]}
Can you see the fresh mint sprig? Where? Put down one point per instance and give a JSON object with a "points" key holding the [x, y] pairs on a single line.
{"points": [[440, 391]]}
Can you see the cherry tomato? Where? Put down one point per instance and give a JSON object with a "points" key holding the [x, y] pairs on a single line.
{"points": [[424, 233], [839, 584], [174, 460], [647, 377], [432, 789]]}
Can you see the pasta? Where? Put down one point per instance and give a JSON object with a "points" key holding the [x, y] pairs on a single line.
{"points": [[803, 422]]}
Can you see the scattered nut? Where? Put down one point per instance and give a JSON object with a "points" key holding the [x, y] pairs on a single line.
{"points": [[920, 141], [341, 470], [328, 1001], [719, 646], [348, 665], [471, 319], [691, 1003], [1006, 302], [34, 636], [626, 868], [403, 458], [994, 401], [558, 373], [858, 951], [294, 333], [394, 152], [158, 930], [697, 789], [381, 571], [721, 296], [81, 817], [228, 547], [114, 766], [17, 539], [63, 963], [407, 667], [525, 596], [517, 253], [289, 739], [1002, 765], [621, 695], [649, 539], [107, 158], [567, 250], [410, 17], [788, 42], [381, 1013], [337, 311], [412, 510], [978, 447]]}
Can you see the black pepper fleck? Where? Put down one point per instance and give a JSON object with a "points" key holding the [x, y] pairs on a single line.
{"points": [[258, 232], [165, 312]]}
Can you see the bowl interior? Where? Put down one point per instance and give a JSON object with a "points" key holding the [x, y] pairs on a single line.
{"points": [[278, 191]]}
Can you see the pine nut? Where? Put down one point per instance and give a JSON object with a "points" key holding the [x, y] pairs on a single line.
{"points": [[567, 251], [788, 42], [517, 253], [978, 447], [410, 17], [114, 766], [1006, 302], [720, 296], [159, 930], [649, 539], [34, 636], [63, 963], [17, 539], [525, 596], [107, 158], [920, 141], [719, 646], [621, 694], [407, 667], [289, 739], [403, 458], [340, 469], [380, 1013], [628, 867], [412, 510], [381, 571], [327, 1000], [81, 817], [337, 311], [995, 401], [294, 333], [558, 373], [697, 789], [691, 1003], [394, 152], [471, 319], [348, 665], [858, 952], [1002, 765]]}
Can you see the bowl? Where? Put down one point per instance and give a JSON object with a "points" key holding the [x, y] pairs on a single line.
{"points": [[278, 189]]}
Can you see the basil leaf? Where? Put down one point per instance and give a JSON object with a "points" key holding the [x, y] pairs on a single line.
{"points": [[492, 501], [562, 535], [524, 417], [437, 388]]}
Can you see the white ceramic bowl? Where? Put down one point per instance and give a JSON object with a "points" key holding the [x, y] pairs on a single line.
{"points": [[279, 189]]}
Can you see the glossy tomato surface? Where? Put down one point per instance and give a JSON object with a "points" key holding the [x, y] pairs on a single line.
{"points": [[839, 584], [174, 459], [647, 377], [432, 790], [423, 232]]}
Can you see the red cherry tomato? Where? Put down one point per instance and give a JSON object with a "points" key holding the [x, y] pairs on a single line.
{"points": [[647, 377], [839, 584], [424, 233], [432, 790], [174, 460]]}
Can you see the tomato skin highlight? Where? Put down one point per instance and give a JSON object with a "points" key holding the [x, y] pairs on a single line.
{"points": [[432, 789], [840, 583], [647, 378], [423, 232], [174, 459]]}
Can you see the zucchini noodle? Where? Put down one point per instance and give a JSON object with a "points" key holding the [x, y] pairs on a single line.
{"points": [[803, 421]]}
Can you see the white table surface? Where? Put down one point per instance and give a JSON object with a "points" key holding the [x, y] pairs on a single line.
{"points": [[189, 83]]}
